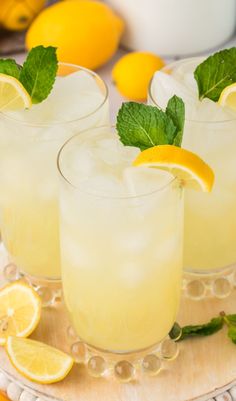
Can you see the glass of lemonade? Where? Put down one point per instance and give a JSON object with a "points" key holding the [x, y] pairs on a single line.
{"points": [[121, 247], [210, 218], [29, 143]]}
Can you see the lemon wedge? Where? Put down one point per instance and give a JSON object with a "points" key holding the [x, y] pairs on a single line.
{"points": [[189, 168], [13, 95], [20, 311], [37, 361], [228, 97]]}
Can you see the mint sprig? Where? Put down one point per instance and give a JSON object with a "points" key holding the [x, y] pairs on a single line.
{"points": [[38, 73], [10, 67], [216, 73], [207, 329], [176, 111], [145, 126]]}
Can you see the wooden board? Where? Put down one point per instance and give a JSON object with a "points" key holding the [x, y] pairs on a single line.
{"points": [[204, 368]]}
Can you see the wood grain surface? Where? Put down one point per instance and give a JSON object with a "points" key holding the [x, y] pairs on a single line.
{"points": [[203, 369]]}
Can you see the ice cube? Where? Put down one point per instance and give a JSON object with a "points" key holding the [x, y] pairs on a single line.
{"points": [[186, 68], [144, 180], [134, 241], [164, 86], [75, 253], [130, 153], [132, 273], [75, 96], [103, 185], [184, 72], [208, 110], [110, 150], [80, 164]]}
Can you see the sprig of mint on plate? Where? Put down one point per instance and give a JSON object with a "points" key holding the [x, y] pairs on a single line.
{"points": [[216, 73], [207, 329], [37, 74], [145, 126]]}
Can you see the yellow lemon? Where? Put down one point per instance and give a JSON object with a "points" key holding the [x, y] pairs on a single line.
{"points": [[3, 397], [85, 32], [37, 361], [20, 311], [17, 15], [133, 72], [189, 168], [228, 97]]}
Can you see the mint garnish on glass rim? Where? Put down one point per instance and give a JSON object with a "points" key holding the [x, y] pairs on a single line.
{"points": [[145, 126], [38, 72], [216, 73]]}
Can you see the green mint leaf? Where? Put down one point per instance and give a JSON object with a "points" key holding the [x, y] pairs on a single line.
{"points": [[176, 111], [232, 333], [39, 72], [144, 126], [231, 319], [215, 73], [10, 67], [207, 329], [175, 331]]}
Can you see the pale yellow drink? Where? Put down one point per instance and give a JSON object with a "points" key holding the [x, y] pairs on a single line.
{"points": [[210, 131], [121, 244], [29, 143]]}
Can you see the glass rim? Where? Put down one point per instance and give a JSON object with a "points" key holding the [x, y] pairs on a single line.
{"points": [[99, 195], [7, 117], [170, 65]]}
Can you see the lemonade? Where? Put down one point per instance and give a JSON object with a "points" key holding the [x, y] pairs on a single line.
{"points": [[121, 243], [210, 219], [29, 142]]}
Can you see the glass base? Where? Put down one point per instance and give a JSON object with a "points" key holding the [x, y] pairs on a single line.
{"points": [[49, 290], [216, 284], [125, 367]]}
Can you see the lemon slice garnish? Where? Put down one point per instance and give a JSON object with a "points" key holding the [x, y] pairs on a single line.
{"points": [[13, 95], [37, 361], [20, 311], [189, 168], [228, 97]]}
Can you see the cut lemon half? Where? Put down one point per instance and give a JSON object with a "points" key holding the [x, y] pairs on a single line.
{"points": [[228, 97], [13, 95], [20, 311], [190, 169], [37, 361]]}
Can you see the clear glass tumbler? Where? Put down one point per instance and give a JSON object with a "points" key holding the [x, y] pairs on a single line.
{"points": [[121, 258], [210, 218], [29, 143]]}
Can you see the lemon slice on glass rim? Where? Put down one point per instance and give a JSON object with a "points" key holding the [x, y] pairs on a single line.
{"points": [[13, 95], [37, 361], [189, 168], [228, 97], [20, 311]]}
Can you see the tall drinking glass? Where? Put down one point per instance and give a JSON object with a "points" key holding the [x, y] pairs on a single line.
{"points": [[29, 143], [121, 249], [210, 218]]}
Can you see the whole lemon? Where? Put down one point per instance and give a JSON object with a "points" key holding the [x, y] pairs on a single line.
{"points": [[85, 32], [133, 72], [17, 15]]}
